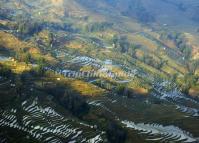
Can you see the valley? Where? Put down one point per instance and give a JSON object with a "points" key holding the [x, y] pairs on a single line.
{"points": [[99, 71]]}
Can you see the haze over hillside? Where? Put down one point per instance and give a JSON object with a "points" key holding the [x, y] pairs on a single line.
{"points": [[173, 13]]}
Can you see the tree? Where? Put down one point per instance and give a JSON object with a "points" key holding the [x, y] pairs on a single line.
{"points": [[132, 50], [41, 66], [121, 43], [18, 86], [193, 65], [124, 44], [5, 71], [115, 133], [189, 81], [94, 27], [120, 89], [27, 26], [148, 59], [161, 64], [115, 41], [187, 52], [174, 78], [51, 39], [23, 55], [74, 103], [27, 58]]}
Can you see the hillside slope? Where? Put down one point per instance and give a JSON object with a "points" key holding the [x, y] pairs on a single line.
{"points": [[99, 71]]}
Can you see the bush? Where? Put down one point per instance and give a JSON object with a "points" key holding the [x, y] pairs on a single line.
{"points": [[149, 60], [115, 133], [123, 90], [121, 43], [76, 104], [70, 100], [120, 89], [94, 27], [5, 71], [132, 50], [23, 56], [189, 81], [26, 26]]}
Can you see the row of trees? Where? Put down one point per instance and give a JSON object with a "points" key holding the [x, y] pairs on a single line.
{"points": [[69, 99], [115, 133], [61, 26], [46, 41], [5, 71], [23, 56], [95, 27], [136, 9], [149, 60], [26, 26], [180, 42], [190, 78], [122, 44]]}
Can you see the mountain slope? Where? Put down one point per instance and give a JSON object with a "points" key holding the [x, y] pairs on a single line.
{"points": [[98, 71], [180, 13]]}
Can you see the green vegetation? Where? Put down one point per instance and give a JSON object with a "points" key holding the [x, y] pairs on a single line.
{"points": [[45, 45], [5, 71], [152, 62], [115, 133], [94, 27], [26, 26]]}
